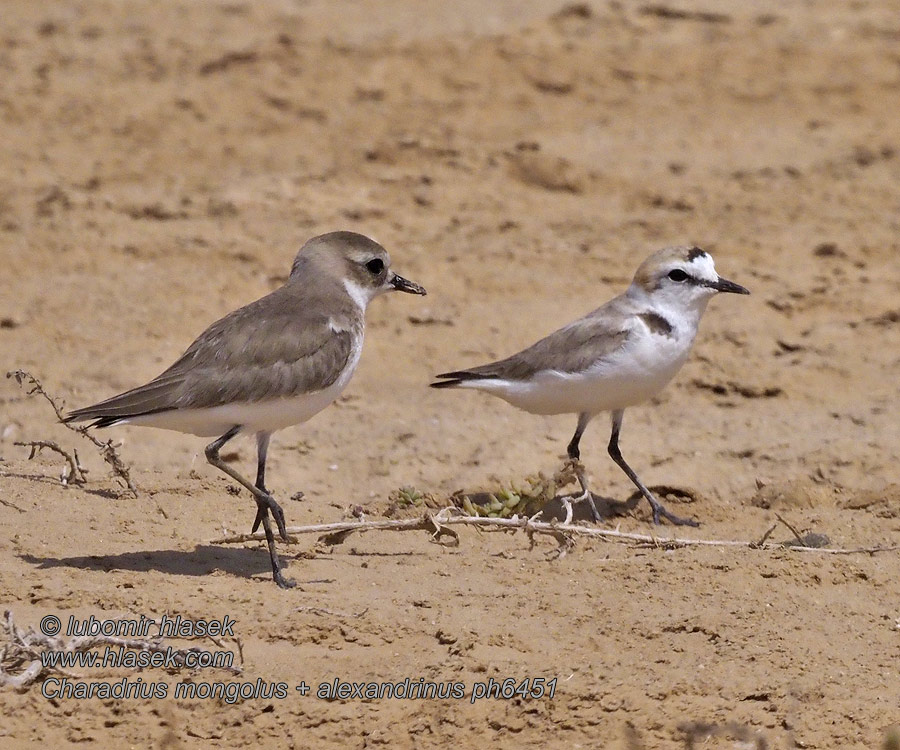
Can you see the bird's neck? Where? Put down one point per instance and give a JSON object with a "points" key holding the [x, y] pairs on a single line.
{"points": [[684, 318]]}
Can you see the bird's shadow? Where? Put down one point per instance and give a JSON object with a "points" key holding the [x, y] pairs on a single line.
{"points": [[203, 560], [607, 507]]}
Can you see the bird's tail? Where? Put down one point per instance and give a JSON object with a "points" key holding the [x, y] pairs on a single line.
{"points": [[458, 377], [83, 415], [156, 396]]}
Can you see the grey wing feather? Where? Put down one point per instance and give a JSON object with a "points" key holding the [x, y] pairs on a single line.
{"points": [[573, 348], [232, 361], [299, 359], [152, 397]]}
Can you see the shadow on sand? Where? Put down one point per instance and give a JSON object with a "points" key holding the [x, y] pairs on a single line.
{"points": [[203, 560]]}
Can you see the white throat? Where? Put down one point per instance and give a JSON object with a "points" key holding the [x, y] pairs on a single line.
{"points": [[359, 294]]}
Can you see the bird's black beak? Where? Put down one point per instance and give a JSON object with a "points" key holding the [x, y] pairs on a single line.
{"points": [[405, 285], [724, 285]]}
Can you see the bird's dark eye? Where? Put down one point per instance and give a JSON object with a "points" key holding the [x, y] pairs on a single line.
{"points": [[676, 274], [375, 266]]}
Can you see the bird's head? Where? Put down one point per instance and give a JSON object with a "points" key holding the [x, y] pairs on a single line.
{"points": [[681, 278], [360, 263]]}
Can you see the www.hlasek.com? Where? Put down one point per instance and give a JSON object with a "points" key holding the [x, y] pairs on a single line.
{"points": [[143, 656]]}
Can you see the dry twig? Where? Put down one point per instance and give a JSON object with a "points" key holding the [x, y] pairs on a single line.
{"points": [[75, 473], [8, 504], [762, 539], [790, 528], [333, 613], [106, 450], [565, 534]]}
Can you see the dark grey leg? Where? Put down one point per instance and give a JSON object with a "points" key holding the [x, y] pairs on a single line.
{"points": [[616, 454], [574, 454], [264, 503], [262, 448], [573, 450]]}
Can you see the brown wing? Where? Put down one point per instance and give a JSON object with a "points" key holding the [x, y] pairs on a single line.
{"points": [[233, 361]]}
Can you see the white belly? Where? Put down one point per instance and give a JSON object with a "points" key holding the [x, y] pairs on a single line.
{"points": [[637, 374]]}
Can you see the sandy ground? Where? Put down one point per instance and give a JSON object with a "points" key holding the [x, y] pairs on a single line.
{"points": [[160, 164]]}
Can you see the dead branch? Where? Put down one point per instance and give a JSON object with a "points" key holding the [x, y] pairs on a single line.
{"points": [[333, 613], [790, 528], [75, 473], [762, 539], [20, 656], [7, 503], [107, 452], [565, 534]]}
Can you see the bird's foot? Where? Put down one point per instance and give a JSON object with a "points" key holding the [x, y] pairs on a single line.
{"points": [[280, 580], [659, 511], [264, 505], [262, 516], [277, 575]]}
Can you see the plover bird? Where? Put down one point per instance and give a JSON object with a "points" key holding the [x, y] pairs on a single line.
{"points": [[617, 356], [273, 363]]}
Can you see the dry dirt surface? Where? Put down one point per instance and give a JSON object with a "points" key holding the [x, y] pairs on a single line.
{"points": [[161, 162]]}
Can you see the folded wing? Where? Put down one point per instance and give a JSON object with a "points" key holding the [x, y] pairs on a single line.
{"points": [[231, 361], [573, 348]]}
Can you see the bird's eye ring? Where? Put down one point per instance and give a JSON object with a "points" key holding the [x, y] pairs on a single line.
{"points": [[676, 274], [375, 266]]}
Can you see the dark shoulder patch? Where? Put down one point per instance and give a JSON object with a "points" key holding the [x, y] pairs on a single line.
{"points": [[656, 323], [695, 252]]}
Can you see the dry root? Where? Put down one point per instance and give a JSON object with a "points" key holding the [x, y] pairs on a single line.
{"points": [[75, 474], [437, 525]]}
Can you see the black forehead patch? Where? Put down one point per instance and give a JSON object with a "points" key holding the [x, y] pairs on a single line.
{"points": [[694, 253]]}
